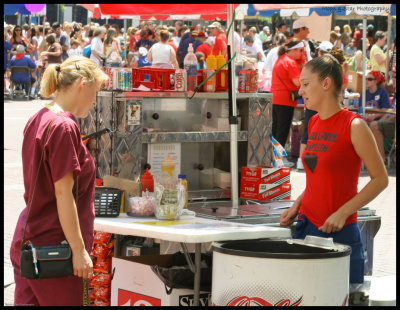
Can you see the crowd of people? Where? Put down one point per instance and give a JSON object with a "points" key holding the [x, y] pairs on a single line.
{"points": [[335, 142], [278, 56]]}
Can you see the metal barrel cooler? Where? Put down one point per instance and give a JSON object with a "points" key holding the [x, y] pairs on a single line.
{"points": [[280, 272]]}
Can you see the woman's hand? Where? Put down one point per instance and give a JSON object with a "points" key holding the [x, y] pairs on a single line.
{"points": [[333, 223], [82, 263], [288, 216]]}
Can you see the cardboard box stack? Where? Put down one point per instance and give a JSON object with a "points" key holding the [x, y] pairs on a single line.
{"points": [[100, 284], [265, 183]]}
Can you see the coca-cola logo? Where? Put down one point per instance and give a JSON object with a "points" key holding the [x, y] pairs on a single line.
{"points": [[258, 301], [127, 298]]}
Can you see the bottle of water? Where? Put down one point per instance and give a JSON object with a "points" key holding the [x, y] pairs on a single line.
{"points": [[190, 65]]}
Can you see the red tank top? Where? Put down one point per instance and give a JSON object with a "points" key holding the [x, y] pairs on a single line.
{"points": [[332, 167]]}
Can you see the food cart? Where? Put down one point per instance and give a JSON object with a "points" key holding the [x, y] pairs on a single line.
{"points": [[197, 131]]}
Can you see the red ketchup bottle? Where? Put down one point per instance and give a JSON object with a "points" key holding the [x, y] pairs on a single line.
{"points": [[147, 181]]}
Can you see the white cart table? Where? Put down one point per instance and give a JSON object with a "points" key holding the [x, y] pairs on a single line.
{"points": [[188, 230]]}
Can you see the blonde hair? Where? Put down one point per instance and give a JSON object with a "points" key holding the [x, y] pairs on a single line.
{"points": [[73, 68], [346, 28]]}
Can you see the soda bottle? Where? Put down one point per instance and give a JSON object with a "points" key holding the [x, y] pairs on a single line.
{"points": [[190, 65]]}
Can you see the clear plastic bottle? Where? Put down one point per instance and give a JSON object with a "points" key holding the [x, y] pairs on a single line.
{"points": [[190, 65], [183, 182]]}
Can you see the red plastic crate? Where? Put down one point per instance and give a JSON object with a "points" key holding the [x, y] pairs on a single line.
{"points": [[154, 78]]}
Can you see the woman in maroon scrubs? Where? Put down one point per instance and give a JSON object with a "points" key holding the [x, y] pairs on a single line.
{"points": [[56, 214]]}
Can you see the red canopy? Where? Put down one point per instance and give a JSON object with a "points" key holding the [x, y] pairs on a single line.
{"points": [[164, 11]]}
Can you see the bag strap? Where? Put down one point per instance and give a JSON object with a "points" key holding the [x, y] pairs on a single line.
{"points": [[282, 82], [36, 178]]}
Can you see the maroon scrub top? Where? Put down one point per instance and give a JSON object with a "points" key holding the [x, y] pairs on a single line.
{"points": [[64, 152]]}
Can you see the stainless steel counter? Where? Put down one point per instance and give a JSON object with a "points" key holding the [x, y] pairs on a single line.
{"points": [[175, 94], [268, 214]]}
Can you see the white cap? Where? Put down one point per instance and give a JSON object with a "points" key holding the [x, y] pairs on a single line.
{"points": [[215, 25], [300, 23], [266, 28], [326, 46]]}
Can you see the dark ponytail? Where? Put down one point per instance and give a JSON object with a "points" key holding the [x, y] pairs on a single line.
{"points": [[329, 65]]}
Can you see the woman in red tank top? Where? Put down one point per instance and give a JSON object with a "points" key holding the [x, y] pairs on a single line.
{"points": [[339, 141]]}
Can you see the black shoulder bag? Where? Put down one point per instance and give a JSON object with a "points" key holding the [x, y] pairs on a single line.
{"points": [[294, 95], [43, 262]]}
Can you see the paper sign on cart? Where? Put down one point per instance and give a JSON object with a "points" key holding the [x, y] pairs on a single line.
{"points": [[158, 152], [133, 114]]}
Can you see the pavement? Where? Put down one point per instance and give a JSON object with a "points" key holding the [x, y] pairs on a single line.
{"points": [[16, 115]]}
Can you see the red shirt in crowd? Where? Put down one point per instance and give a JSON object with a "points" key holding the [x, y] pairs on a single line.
{"points": [[332, 167], [64, 153], [357, 36], [172, 44], [285, 69], [132, 42], [220, 44], [205, 49]]}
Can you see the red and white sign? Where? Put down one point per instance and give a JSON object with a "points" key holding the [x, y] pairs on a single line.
{"points": [[268, 175], [127, 298], [135, 284]]}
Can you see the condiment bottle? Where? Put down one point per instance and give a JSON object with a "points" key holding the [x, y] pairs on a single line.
{"points": [[147, 181], [221, 61], [183, 181], [211, 62]]}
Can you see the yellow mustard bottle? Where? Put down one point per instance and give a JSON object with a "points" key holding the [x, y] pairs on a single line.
{"points": [[211, 62], [221, 61], [182, 178]]}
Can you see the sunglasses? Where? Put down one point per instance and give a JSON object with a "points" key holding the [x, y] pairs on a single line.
{"points": [[370, 79], [17, 29]]}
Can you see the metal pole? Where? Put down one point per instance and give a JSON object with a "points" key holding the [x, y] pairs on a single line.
{"points": [[125, 30], [233, 118], [197, 261], [389, 45], [241, 36], [364, 48]]}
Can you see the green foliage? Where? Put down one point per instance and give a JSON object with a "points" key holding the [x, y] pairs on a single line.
{"points": [[265, 20]]}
